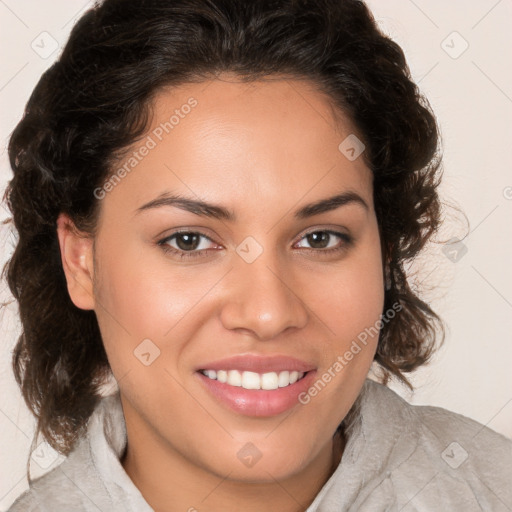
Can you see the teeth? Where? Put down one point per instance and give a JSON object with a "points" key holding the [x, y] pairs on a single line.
{"points": [[284, 379], [252, 380], [269, 381], [294, 377], [234, 378]]}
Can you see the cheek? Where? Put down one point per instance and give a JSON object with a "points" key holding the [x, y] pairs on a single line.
{"points": [[353, 296], [139, 300], [351, 306], [139, 290], [351, 309]]}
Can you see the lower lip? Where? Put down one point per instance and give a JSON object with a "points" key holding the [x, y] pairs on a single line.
{"points": [[258, 402]]}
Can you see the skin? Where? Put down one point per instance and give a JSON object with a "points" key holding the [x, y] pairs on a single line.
{"points": [[262, 150]]}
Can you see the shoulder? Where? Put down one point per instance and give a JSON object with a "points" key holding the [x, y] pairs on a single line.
{"points": [[437, 426], [52, 492], [73, 485], [448, 457], [465, 443], [91, 478]]}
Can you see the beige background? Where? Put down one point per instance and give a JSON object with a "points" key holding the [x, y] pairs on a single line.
{"points": [[459, 53]]}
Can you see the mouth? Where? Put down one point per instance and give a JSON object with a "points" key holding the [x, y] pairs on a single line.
{"points": [[257, 386]]}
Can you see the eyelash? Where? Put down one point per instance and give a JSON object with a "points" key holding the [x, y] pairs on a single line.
{"points": [[347, 241]]}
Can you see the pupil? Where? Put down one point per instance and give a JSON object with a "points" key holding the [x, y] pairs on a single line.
{"points": [[318, 240], [187, 241]]}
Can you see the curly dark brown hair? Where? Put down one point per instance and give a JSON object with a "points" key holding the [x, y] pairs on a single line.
{"points": [[95, 101]]}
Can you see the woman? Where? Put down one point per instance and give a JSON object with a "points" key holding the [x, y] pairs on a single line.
{"points": [[215, 201]]}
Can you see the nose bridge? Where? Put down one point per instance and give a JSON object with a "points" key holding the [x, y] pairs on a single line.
{"points": [[262, 297]]}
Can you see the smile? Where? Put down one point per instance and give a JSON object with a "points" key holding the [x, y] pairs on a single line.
{"points": [[252, 380]]}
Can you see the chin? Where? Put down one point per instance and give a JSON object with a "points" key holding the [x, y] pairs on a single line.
{"points": [[263, 461], [265, 472]]}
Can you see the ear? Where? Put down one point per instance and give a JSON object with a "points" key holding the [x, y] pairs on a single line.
{"points": [[76, 251]]}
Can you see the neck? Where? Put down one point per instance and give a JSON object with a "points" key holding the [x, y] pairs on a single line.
{"points": [[170, 483]]}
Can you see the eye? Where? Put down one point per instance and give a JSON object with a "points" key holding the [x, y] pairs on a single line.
{"points": [[326, 240], [193, 244], [187, 243]]}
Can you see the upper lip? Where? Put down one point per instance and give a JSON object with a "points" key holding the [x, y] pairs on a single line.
{"points": [[258, 364]]}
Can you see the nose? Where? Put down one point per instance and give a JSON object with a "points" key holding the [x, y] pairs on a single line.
{"points": [[262, 301]]}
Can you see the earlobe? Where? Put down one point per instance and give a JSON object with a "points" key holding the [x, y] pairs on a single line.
{"points": [[76, 251]]}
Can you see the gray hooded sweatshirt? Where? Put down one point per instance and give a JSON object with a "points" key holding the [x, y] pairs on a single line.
{"points": [[398, 457]]}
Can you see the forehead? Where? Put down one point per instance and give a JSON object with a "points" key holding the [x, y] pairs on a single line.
{"points": [[243, 143]]}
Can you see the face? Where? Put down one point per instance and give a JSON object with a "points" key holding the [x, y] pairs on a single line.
{"points": [[239, 247]]}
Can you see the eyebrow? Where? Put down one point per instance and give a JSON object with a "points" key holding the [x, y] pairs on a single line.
{"points": [[206, 209]]}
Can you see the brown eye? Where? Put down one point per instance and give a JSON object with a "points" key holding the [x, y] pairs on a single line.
{"points": [[187, 241], [325, 240], [319, 239]]}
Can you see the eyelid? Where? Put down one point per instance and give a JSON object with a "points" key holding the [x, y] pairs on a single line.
{"points": [[334, 230], [168, 233], [331, 230], [346, 240], [194, 231]]}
